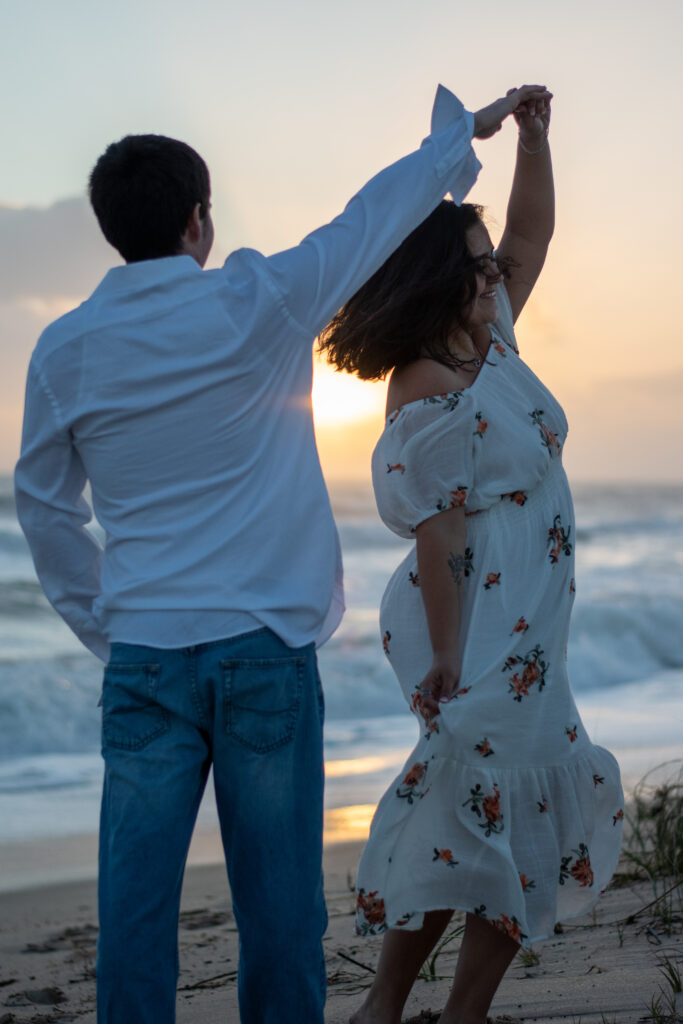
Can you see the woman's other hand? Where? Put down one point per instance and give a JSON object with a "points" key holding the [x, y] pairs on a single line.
{"points": [[440, 683], [528, 98]]}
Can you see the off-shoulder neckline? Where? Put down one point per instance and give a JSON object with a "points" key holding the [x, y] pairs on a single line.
{"points": [[393, 416]]}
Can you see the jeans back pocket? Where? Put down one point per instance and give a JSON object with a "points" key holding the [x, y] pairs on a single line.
{"points": [[261, 700], [131, 716]]}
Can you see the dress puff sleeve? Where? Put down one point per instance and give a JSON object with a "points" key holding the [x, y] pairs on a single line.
{"points": [[423, 462]]}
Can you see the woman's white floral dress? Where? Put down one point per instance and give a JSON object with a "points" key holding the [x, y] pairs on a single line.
{"points": [[505, 808]]}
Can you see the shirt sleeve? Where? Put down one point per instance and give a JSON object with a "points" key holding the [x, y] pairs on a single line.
{"points": [[319, 275], [49, 483], [424, 461]]}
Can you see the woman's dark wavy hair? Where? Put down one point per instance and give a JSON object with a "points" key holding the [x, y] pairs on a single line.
{"points": [[409, 307]]}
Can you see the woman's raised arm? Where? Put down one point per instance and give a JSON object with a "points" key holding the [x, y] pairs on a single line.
{"points": [[531, 208]]}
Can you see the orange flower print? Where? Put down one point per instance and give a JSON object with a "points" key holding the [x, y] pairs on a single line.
{"points": [[397, 467], [520, 626], [500, 349], [461, 692], [519, 497], [581, 870], [393, 416], [558, 539], [404, 920], [619, 816], [488, 807], [548, 438], [482, 425], [484, 748], [510, 926], [572, 586], [428, 711], [414, 578], [571, 732], [527, 883], [410, 788], [533, 672], [598, 780], [446, 856], [449, 400], [542, 804], [371, 918], [492, 578], [385, 641], [458, 497]]}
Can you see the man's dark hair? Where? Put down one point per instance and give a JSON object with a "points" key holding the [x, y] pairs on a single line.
{"points": [[409, 307], [143, 190]]}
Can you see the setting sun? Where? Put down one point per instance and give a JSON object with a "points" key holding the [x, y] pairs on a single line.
{"points": [[339, 397]]}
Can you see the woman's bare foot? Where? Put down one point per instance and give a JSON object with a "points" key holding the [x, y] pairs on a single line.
{"points": [[374, 1014]]}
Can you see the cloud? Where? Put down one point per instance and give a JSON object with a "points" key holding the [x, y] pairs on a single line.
{"points": [[51, 252]]}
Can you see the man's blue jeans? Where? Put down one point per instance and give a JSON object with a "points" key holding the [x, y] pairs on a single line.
{"points": [[253, 707]]}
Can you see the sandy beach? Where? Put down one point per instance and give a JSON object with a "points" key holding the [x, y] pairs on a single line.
{"points": [[604, 968]]}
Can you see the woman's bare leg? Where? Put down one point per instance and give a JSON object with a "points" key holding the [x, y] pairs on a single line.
{"points": [[485, 955], [400, 960]]}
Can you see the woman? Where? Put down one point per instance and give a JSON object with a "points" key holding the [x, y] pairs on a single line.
{"points": [[504, 809]]}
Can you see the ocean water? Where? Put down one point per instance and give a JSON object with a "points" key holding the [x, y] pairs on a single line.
{"points": [[625, 661]]}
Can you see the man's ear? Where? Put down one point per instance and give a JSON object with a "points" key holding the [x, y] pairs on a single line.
{"points": [[193, 230]]}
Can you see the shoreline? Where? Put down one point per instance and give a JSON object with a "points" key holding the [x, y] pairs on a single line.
{"points": [[597, 965]]}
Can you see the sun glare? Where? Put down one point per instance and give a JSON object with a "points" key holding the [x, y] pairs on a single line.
{"points": [[338, 397]]}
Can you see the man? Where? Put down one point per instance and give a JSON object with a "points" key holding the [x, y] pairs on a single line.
{"points": [[183, 397]]}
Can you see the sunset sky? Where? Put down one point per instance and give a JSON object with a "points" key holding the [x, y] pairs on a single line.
{"points": [[295, 105]]}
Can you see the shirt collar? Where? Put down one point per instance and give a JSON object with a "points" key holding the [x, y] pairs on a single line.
{"points": [[147, 273]]}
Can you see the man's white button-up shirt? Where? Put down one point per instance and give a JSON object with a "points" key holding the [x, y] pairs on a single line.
{"points": [[184, 397]]}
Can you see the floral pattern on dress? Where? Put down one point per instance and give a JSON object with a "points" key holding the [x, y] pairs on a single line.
{"points": [[484, 748], [446, 856], [570, 730], [412, 787], [481, 427], [518, 497], [386, 637], [520, 626], [371, 917], [500, 349], [548, 438], [457, 499], [526, 883], [598, 780], [580, 870], [449, 400], [558, 539], [510, 926], [396, 467], [542, 804], [414, 578], [492, 578], [427, 713], [488, 807], [619, 816], [535, 668]]}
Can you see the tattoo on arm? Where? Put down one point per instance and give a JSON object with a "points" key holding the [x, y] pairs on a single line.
{"points": [[456, 563]]}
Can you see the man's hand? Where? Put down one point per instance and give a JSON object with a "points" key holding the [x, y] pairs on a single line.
{"points": [[529, 98]]}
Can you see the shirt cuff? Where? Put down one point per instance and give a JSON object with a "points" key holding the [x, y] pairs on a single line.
{"points": [[451, 124]]}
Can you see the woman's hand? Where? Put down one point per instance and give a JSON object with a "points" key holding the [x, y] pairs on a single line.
{"points": [[527, 99], [440, 683]]}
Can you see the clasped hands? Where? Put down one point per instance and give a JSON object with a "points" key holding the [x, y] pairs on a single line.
{"points": [[530, 105]]}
